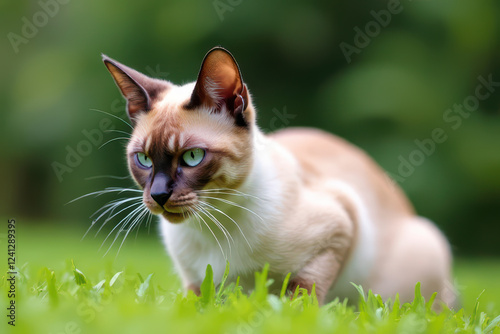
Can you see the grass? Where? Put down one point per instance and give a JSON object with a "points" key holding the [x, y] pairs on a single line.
{"points": [[65, 285]]}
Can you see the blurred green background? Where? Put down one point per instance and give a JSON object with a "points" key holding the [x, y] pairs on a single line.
{"points": [[408, 66]]}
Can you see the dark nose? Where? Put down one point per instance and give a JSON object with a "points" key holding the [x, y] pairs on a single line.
{"points": [[161, 189], [161, 197]]}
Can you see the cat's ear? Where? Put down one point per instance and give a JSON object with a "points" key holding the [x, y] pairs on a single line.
{"points": [[139, 90], [220, 85]]}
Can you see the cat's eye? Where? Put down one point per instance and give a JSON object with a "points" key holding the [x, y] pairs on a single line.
{"points": [[193, 157], [143, 160]]}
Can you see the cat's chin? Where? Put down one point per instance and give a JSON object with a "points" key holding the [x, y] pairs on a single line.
{"points": [[173, 217]]}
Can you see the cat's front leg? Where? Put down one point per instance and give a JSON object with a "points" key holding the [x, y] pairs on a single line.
{"points": [[322, 271], [193, 287]]}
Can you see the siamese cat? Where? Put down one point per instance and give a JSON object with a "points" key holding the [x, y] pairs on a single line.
{"points": [[304, 201]]}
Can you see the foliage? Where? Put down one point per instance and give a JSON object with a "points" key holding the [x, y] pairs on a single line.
{"points": [[394, 91], [122, 302]]}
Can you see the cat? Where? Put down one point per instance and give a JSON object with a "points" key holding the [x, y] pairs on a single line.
{"points": [[304, 201]]}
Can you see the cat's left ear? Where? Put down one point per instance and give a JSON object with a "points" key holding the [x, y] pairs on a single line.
{"points": [[220, 86], [139, 90]]}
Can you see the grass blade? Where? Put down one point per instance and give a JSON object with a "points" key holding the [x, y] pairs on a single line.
{"points": [[207, 288]]}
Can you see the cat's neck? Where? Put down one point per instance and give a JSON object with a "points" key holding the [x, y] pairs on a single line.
{"points": [[264, 180], [269, 184]]}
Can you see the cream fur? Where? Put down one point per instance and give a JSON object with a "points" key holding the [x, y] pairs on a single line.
{"points": [[337, 200], [313, 204]]}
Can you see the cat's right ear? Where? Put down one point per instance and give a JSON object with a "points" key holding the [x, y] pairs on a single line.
{"points": [[219, 85], [138, 89]]}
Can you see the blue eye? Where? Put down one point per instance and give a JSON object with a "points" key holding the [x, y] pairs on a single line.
{"points": [[193, 157], [143, 160]]}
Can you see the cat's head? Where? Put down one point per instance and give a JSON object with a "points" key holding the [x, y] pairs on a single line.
{"points": [[187, 138]]}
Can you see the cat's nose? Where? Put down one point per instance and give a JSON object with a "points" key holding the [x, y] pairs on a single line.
{"points": [[161, 189], [161, 197]]}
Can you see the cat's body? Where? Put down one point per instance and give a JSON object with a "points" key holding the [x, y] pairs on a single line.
{"points": [[307, 207], [302, 200]]}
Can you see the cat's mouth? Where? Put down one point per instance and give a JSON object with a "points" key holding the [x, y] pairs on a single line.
{"points": [[176, 209], [175, 214]]}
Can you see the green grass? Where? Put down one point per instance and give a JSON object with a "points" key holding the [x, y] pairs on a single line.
{"points": [[66, 286]]}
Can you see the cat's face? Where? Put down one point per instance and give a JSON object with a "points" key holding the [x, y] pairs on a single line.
{"points": [[187, 138]]}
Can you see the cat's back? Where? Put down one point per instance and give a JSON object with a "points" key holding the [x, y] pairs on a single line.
{"points": [[324, 157]]}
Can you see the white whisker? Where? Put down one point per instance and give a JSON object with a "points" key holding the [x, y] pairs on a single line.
{"points": [[217, 240], [111, 205], [107, 177], [123, 222], [120, 131], [221, 227], [107, 113], [232, 203], [148, 215], [148, 222], [235, 223], [136, 221], [112, 140], [114, 215], [110, 208], [226, 191], [192, 215], [105, 191]]}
